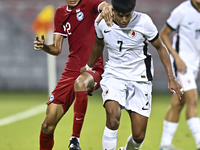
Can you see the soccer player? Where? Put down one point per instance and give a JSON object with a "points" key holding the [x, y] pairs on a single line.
{"points": [[185, 52], [75, 20], [127, 78]]}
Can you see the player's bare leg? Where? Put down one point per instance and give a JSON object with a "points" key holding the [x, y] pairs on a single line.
{"points": [[54, 113], [113, 114], [138, 124], [175, 108], [83, 84], [193, 121], [170, 123]]}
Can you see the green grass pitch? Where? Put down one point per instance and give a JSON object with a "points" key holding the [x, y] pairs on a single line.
{"points": [[24, 134]]}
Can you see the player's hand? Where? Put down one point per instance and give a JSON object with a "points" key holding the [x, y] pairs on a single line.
{"points": [[82, 69], [175, 88], [39, 43], [107, 14], [181, 66]]}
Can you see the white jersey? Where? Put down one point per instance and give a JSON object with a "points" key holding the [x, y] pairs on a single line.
{"points": [[127, 48], [185, 19]]}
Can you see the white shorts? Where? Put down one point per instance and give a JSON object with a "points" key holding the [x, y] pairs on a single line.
{"points": [[188, 80], [131, 95]]}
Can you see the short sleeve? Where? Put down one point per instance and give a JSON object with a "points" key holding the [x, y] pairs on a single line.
{"points": [[150, 30], [176, 17], [96, 4], [57, 24], [98, 29], [58, 27]]}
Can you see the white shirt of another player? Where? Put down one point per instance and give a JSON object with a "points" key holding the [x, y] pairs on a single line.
{"points": [[127, 47], [186, 20]]}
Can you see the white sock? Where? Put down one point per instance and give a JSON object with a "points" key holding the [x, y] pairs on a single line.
{"points": [[194, 126], [169, 128], [109, 140], [132, 145]]}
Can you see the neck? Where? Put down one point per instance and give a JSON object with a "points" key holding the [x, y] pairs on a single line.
{"points": [[197, 5]]}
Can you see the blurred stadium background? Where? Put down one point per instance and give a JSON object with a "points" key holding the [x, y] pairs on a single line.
{"points": [[24, 69]]}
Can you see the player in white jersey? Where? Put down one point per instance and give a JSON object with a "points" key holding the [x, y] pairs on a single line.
{"points": [[127, 79], [185, 52]]}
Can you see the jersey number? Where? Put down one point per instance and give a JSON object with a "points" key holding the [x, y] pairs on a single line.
{"points": [[120, 47], [67, 27]]}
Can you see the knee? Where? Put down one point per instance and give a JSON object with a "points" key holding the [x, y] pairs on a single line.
{"points": [[177, 106], [47, 128], [79, 85], [138, 137], [192, 102], [113, 123]]}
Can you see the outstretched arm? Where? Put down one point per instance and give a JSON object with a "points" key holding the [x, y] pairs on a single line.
{"points": [[106, 13], [96, 52], [173, 85], [165, 32], [53, 49]]}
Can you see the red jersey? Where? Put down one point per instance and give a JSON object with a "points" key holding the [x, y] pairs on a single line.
{"points": [[77, 25]]}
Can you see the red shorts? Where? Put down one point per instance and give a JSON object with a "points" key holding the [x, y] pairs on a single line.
{"points": [[64, 91]]}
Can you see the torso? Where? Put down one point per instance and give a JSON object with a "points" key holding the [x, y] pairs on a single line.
{"points": [[77, 25], [187, 40], [127, 48]]}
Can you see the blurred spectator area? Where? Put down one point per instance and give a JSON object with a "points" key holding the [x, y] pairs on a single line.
{"points": [[23, 68]]}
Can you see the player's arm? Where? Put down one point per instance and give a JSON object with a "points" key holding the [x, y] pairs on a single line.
{"points": [[164, 57], [164, 34], [96, 52], [107, 13], [53, 49]]}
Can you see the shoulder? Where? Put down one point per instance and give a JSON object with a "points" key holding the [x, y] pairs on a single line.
{"points": [[182, 8], [185, 4], [101, 23], [140, 16], [91, 3], [61, 9]]}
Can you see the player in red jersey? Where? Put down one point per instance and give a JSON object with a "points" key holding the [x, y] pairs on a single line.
{"points": [[75, 20]]}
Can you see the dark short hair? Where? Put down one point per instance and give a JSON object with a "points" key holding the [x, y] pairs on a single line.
{"points": [[123, 6]]}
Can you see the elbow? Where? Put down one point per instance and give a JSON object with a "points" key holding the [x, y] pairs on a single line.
{"points": [[57, 53]]}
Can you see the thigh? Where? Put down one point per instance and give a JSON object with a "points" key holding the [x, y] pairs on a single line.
{"points": [[54, 113], [191, 96]]}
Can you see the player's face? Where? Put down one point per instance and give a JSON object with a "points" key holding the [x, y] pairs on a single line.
{"points": [[72, 3], [122, 18]]}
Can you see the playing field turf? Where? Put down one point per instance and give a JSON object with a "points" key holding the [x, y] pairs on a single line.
{"points": [[24, 134]]}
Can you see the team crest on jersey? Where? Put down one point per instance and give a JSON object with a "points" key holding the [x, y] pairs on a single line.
{"points": [[79, 15], [51, 98], [131, 34]]}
